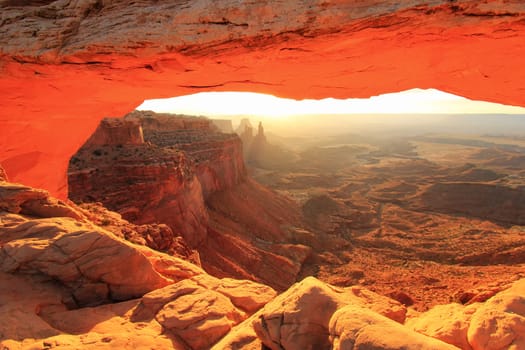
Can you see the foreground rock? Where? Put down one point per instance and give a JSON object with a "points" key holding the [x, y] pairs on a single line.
{"points": [[354, 327], [61, 244], [300, 317], [51, 265], [496, 324]]}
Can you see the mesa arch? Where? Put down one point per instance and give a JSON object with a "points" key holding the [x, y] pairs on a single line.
{"points": [[65, 64]]}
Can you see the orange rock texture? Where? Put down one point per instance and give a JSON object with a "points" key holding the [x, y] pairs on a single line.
{"points": [[65, 65], [190, 178], [62, 278], [84, 287]]}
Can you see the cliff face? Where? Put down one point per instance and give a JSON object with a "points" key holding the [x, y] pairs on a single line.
{"points": [[65, 65], [191, 177], [113, 131], [218, 159], [144, 183]]}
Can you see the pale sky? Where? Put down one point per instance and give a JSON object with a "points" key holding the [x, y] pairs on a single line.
{"points": [[415, 101]]}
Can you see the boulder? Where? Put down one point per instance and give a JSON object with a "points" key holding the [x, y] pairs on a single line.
{"points": [[448, 323], [354, 328], [198, 315], [499, 323], [299, 318]]}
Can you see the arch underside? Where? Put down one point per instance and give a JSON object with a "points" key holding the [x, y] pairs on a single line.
{"points": [[63, 68]]}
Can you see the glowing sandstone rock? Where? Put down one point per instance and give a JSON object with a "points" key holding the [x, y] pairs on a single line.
{"points": [[66, 65]]}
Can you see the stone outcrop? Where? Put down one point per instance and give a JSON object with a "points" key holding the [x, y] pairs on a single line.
{"points": [[355, 327], [87, 260], [144, 183], [20, 199], [112, 131], [312, 314], [299, 318], [495, 324], [53, 264], [83, 62], [448, 323], [217, 156]]}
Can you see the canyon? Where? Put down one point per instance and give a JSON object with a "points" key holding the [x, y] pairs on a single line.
{"points": [[86, 286], [183, 172], [170, 241]]}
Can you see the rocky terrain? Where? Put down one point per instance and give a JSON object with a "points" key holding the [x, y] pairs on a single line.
{"points": [[85, 287], [182, 172], [422, 220], [67, 64], [68, 277]]}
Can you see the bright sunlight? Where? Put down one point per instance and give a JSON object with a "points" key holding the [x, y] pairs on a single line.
{"points": [[415, 101]]}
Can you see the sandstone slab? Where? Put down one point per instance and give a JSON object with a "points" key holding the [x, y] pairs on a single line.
{"points": [[353, 327], [299, 318]]}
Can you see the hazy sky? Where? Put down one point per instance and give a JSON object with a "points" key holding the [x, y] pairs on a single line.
{"points": [[417, 101]]}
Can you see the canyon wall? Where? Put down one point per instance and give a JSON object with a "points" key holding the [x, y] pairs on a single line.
{"points": [[112, 131], [66, 65], [188, 175], [218, 159], [144, 183]]}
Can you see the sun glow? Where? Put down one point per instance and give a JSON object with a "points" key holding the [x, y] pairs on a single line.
{"points": [[415, 101]]}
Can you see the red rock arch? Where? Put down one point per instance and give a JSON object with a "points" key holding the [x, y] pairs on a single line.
{"points": [[64, 68]]}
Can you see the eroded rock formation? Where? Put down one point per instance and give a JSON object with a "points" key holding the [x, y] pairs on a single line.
{"points": [[163, 176], [145, 183], [112, 132], [258, 152], [64, 262], [184, 173], [217, 156], [65, 65]]}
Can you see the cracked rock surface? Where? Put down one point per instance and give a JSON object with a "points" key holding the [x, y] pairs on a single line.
{"points": [[66, 64]]}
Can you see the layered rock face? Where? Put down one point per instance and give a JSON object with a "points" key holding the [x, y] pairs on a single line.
{"points": [[111, 132], [217, 156], [163, 176], [84, 62], [184, 173], [144, 183], [54, 262]]}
